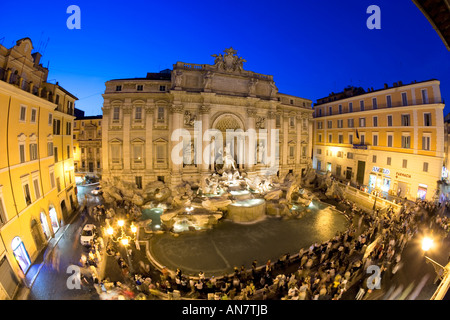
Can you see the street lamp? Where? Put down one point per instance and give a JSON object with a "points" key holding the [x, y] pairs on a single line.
{"points": [[123, 238], [427, 244], [375, 192]]}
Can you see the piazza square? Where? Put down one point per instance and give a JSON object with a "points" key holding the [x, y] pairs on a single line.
{"points": [[205, 181]]}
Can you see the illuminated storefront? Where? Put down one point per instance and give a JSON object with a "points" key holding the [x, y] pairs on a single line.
{"points": [[379, 179], [422, 191], [21, 254], [54, 219]]}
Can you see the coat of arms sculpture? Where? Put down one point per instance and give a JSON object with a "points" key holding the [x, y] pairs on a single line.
{"points": [[229, 62]]}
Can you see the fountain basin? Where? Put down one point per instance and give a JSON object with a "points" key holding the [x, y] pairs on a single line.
{"points": [[247, 210], [241, 194], [154, 216]]}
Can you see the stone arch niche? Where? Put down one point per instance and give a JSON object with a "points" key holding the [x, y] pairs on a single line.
{"points": [[233, 143]]}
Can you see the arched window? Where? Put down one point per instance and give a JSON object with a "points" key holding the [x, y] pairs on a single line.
{"points": [[21, 254], [53, 218], [44, 224]]}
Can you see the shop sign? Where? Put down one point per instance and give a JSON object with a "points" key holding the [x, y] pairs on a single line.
{"points": [[360, 146], [400, 174], [381, 170]]}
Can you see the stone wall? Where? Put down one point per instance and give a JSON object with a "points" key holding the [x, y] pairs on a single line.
{"points": [[366, 201]]}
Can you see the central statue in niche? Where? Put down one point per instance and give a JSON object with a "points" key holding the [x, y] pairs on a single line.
{"points": [[228, 161]]}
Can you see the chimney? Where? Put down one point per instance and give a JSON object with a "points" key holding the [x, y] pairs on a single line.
{"points": [[37, 57], [386, 86], [400, 83], [395, 84], [371, 89]]}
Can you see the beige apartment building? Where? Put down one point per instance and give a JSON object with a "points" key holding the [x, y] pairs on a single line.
{"points": [[87, 149], [390, 139], [149, 121]]}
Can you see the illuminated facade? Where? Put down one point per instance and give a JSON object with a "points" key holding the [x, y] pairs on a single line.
{"points": [[37, 186], [390, 139], [87, 147], [141, 115]]}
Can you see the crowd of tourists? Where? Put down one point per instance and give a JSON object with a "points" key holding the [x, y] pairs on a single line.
{"points": [[324, 271]]}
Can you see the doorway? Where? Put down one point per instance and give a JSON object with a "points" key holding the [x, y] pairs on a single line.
{"points": [[45, 227], [37, 236], [21, 254], [348, 173], [338, 171], [64, 210], [54, 219], [360, 172], [8, 279]]}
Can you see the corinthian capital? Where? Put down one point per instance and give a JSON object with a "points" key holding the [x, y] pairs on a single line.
{"points": [[251, 112], [106, 111], [271, 114], [204, 109], [149, 108], [127, 109], [176, 108]]}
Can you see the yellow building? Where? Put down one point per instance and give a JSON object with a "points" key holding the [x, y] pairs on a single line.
{"points": [[87, 149], [391, 139], [37, 186]]}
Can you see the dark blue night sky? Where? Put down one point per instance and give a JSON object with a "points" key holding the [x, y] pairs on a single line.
{"points": [[311, 47]]}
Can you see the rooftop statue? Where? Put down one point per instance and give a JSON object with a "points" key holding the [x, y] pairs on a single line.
{"points": [[229, 62]]}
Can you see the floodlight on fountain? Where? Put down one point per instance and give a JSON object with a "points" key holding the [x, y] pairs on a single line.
{"points": [[189, 209], [124, 241], [120, 223]]}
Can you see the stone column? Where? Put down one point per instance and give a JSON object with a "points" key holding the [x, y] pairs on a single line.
{"points": [[105, 144], [285, 124], [310, 136], [176, 111], [205, 115], [270, 148], [126, 126], [299, 125], [149, 111], [251, 141]]}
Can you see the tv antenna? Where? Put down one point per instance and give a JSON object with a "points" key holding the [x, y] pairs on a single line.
{"points": [[45, 46]]}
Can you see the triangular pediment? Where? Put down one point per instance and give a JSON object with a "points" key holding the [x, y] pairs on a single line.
{"points": [[115, 140], [160, 140]]}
